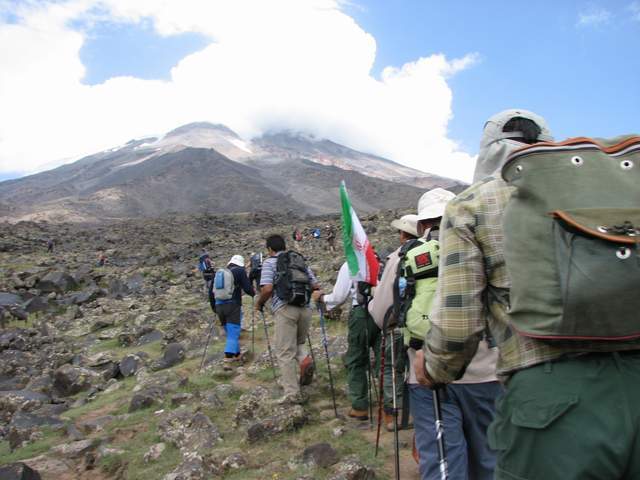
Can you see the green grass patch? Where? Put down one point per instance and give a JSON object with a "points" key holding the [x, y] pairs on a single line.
{"points": [[50, 438], [114, 399]]}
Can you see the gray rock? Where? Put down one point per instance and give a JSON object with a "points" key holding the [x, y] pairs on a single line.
{"points": [[146, 398], [174, 353], [18, 471], [320, 455], [24, 425], [181, 399], [96, 424], [57, 282], [234, 461], [75, 449], [129, 365], [23, 400], [154, 452], [190, 432], [36, 304], [152, 336], [69, 380], [9, 299], [285, 419], [353, 469]]}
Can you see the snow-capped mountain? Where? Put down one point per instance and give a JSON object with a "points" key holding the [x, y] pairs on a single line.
{"points": [[205, 167]]}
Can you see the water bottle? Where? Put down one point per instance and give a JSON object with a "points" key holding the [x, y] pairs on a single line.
{"points": [[402, 285]]}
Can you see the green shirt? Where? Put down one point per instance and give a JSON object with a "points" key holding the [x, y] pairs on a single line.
{"points": [[473, 292]]}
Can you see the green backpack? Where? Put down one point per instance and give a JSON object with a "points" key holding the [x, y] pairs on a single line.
{"points": [[572, 239], [415, 286]]}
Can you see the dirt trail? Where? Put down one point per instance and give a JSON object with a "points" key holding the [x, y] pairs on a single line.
{"points": [[408, 466]]}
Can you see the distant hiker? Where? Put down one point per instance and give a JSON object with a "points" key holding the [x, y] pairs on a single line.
{"points": [[205, 266], [288, 282], [102, 259], [362, 335], [331, 237], [379, 306], [50, 245], [315, 233], [470, 310], [255, 269], [228, 285]]}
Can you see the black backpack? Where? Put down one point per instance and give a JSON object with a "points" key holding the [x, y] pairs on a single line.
{"points": [[291, 281], [256, 262]]}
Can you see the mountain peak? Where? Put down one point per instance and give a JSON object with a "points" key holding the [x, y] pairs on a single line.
{"points": [[190, 127]]}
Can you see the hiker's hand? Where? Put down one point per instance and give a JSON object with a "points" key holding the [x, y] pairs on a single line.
{"points": [[316, 295], [421, 371], [257, 307]]}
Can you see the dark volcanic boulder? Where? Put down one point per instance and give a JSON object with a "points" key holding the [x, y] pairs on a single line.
{"points": [[18, 471], [36, 304], [58, 282], [173, 354], [9, 299], [129, 365], [69, 380], [320, 455]]}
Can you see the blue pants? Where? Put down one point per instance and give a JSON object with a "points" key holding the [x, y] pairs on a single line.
{"points": [[233, 338], [467, 410]]}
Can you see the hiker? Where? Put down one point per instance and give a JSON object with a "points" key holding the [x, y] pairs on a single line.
{"points": [[228, 285], [102, 259], [205, 266], [331, 237], [288, 282], [315, 233], [382, 302], [255, 269], [50, 245], [470, 310], [362, 335]]}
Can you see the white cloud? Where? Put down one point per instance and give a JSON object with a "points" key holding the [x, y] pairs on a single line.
{"points": [[594, 17], [297, 64], [634, 8]]}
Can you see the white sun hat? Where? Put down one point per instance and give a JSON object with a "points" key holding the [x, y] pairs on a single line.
{"points": [[237, 260], [407, 223], [432, 203]]}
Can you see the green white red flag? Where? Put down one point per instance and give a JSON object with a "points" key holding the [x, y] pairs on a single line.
{"points": [[362, 260]]}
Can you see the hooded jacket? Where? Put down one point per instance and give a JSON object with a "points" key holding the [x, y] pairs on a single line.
{"points": [[496, 146]]}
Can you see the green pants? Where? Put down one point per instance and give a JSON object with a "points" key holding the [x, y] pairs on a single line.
{"points": [[363, 334], [401, 358], [573, 419]]}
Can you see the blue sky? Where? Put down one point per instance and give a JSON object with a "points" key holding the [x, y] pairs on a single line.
{"points": [[583, 77], [100, 72]]}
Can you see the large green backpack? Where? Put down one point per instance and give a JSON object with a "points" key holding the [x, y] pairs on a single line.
{"points": [[572, 239], [415, 286]]}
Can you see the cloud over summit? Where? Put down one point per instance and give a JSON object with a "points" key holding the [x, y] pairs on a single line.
{"points": [[281, 64]]}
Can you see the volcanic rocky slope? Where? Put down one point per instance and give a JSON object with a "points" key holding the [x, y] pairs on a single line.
{"points": [[203, 167], [100, 366]]}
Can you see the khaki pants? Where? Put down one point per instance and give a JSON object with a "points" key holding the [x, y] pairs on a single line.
{"points": [[292, 327]]}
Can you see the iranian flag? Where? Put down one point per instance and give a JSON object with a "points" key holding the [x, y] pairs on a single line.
{"points": [[362, 261]]}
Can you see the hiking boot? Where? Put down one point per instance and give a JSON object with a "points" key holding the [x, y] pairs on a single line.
{"points": [[307, 369], [361, 415], [389, 421]]}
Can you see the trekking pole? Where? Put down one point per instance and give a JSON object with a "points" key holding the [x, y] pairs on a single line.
{"points": [[253, 326], [381, 396], [326, 354], [206, 345], [266, 336], [396, 446], [369, 380], [442, 454], [313, 357]]}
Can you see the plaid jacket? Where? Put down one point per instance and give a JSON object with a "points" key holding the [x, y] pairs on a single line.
{"points": [[472, 298]]}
